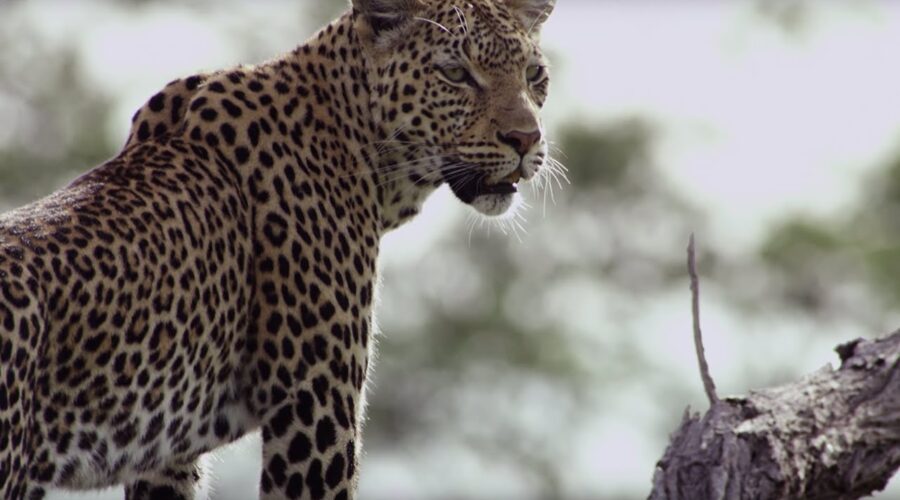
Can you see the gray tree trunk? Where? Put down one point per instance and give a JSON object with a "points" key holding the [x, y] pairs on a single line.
{"points": [[833, 435]]}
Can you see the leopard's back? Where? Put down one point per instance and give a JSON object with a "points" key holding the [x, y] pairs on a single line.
{"points": [[123, 319]]}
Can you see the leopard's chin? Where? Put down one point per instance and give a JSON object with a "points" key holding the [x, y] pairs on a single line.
{"points": [[493, 205]]}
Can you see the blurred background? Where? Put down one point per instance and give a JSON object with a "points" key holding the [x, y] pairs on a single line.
{"points": [[549, 358]]}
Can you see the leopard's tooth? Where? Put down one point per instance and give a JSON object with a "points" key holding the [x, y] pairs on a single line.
{"points": [[514, 176]]}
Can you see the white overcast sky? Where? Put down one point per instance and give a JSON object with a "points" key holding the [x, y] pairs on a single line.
{"points": [[754, 121]]}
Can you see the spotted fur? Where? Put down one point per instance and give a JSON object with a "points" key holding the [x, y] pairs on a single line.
{"points": [[216, 276]]}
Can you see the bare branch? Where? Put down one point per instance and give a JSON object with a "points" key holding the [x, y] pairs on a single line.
{"points": [[708, 385]]}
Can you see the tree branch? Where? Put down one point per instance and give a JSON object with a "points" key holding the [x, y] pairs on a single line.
{"points": [[833, 435], [708, 385]]}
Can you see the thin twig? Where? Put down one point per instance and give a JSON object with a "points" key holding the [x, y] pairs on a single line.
{"points": [[708, 383]]}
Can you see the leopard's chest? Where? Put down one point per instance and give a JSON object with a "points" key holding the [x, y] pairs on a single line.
{"points": [[315, 254]]}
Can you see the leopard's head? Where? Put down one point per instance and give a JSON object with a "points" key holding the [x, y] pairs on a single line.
{"points": [[457, 88]]}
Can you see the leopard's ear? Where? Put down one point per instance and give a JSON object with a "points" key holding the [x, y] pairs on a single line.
{"points": [[532, 13], [386, 15]]}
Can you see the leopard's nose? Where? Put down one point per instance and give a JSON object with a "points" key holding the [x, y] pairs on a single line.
{"points": [[521, 142]]}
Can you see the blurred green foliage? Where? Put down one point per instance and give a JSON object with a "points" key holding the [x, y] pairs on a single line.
{"points": [[790, 15], [797, 251], [54, 123], [817, 258], [605, 156]]}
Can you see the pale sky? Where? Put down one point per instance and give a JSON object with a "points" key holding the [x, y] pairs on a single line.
{"points": [[754, 122]]}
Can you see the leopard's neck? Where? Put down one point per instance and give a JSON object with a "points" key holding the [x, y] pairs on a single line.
{"points": [[309, 119]]}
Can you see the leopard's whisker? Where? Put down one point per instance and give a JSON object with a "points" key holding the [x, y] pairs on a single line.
{"points": [[439, 25], [461, 16]]}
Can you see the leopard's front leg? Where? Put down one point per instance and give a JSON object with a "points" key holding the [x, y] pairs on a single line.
{"points": [[308, 346], [311, 443], [178, 481]]}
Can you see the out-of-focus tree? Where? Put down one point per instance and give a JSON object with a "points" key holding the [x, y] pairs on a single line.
{"points": [[846, 266], [53, 122], [793, 16]]}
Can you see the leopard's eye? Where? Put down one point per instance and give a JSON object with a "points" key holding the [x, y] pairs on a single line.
{"points": [[456, 74], [535, 73]]}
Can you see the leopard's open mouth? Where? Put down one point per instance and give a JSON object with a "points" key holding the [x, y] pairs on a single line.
{"points": [[469, 186], [506, 185]]}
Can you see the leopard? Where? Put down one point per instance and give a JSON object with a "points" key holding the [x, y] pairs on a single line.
{"points": [[217, 276]]}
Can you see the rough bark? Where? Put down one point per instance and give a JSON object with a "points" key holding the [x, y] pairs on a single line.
{"points": [[833, 435]]}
